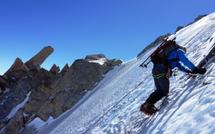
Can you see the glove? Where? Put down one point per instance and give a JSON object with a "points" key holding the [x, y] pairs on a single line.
{"points": [[199, 71], [185, 49]]}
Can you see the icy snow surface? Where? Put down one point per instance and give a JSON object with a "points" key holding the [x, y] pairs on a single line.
{"points": [[15, 109], [38, 123], [101, 61], [113, 108]]}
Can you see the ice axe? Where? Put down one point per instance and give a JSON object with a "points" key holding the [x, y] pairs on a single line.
{"points": [[145, 63]]}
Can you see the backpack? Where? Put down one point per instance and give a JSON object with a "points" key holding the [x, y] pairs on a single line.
{"points": [[160, 54]]}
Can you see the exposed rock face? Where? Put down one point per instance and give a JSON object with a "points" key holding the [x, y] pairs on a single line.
{"points": [[95, 57], [84, 71], [55, 69], [41, 91], [43, 78], [17, 70], [19, 80], [38, 59], [102, 60], [179, 28], [81, 76], [14, 96], [114, 62], [38, 99], [65, 69], [66, 91], [3, 84], [52, 93], [15, 124]]}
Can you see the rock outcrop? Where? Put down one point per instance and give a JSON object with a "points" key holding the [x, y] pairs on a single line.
{"points": [[17, 70], [51, 92], [114, 62], [38, 59], [64, 70], [15, 94], [15, 124], [3, 84], [95, 57], [55, 69], [65, 92]]}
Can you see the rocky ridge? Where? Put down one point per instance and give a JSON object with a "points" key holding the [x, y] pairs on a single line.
{"points": [[49, 93]]}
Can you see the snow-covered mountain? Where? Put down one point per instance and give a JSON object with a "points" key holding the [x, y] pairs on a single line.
{"points": [[113, 106]]}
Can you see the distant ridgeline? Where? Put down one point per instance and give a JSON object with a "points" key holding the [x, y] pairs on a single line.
{"points": [[28, 91]]}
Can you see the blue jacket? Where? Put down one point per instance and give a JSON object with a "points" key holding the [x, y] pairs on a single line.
{"points": [[178, 59]]}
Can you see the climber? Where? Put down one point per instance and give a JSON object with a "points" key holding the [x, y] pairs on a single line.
{"points": [[165, 58]]}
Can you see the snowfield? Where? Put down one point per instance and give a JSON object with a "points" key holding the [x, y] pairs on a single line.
{"points": [[113, 106], [19, 106]]}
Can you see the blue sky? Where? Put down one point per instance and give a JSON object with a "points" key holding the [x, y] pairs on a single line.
{"points": [[75, 28]]}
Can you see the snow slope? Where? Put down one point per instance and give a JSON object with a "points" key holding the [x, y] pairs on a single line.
{"points": [[19, 106], [113, 106]]}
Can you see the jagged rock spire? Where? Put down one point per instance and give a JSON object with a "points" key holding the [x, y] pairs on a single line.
{"points": [[55, 69], [40, 57], [65, 69]]}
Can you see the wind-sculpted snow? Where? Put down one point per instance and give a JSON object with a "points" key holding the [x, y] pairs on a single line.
{"points": [[113, 108]]}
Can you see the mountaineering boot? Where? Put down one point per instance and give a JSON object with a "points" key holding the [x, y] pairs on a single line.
{"points": [[148, 109]]}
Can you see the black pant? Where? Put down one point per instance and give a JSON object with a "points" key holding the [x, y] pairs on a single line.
{"points": [[162, 86]]}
